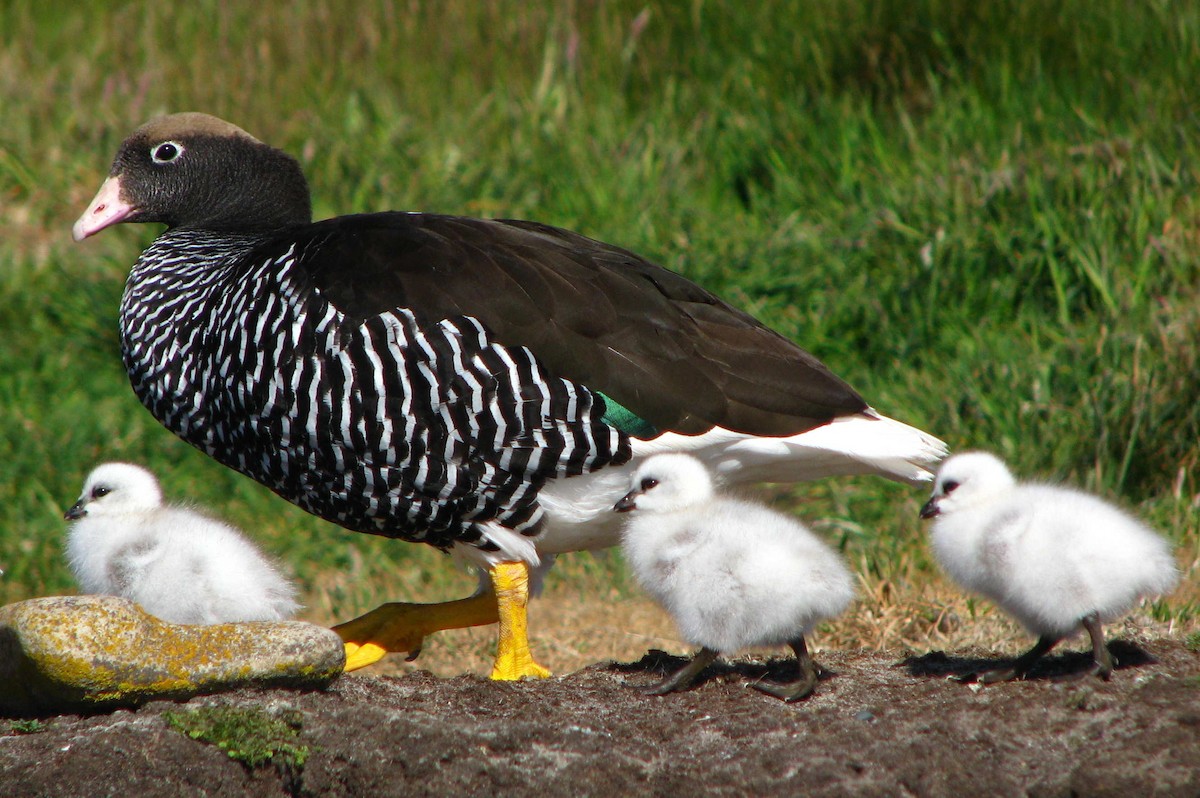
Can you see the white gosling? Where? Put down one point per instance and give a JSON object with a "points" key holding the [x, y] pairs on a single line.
{"points": [[731, 573], [1055, 558], [179, 565]]}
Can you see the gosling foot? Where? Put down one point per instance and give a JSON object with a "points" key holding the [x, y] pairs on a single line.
{"points": [[682, 678], [803, 687]]}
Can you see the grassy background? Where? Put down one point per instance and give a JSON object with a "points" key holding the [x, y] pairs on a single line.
{"points": [[982, 215]]}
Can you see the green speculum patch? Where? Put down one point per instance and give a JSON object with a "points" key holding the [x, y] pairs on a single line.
{"points": [[624, 419]]}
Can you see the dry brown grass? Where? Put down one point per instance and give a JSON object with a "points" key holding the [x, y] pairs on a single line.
{"points": [[581, 622]]}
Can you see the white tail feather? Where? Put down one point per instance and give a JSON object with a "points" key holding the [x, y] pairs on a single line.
{"points": [[579, 510], [867, 443]]}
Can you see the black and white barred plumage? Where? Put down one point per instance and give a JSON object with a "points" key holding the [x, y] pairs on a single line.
{"points": [[445, 379], [392, 425]]}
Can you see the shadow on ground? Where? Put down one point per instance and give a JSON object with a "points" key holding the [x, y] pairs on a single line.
{"points": [[1062, 666]]}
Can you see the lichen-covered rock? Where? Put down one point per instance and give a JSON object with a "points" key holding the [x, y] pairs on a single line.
{"points": [[90, 653]]}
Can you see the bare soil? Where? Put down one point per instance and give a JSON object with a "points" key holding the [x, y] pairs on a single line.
{"points": [[878, 725]]}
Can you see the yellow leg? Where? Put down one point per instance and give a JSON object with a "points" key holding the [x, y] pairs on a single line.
{"points": [[403, 627], [514, 660]]}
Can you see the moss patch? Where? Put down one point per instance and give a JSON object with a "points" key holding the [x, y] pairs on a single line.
{"points": [[29, 726], [251, 736]]}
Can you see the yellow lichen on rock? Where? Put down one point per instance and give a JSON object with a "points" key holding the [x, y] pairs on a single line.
{"points": [[71, 653]]}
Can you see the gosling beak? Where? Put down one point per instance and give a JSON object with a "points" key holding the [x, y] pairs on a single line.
{"points": [[627, 502], [76, 512], [931, 508]]}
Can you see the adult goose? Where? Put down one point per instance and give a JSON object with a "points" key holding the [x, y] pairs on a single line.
{"points": [[483, 386]]}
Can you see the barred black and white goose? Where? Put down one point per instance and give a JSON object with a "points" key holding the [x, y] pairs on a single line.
{"points": [[484, 386]]}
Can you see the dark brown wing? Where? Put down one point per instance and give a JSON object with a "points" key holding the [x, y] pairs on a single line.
{"points": [[651, 340]]}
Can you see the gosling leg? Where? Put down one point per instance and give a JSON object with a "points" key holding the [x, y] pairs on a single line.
{"points": [[683, 678], [802, 687], [1022, 665], [1104, 661]]}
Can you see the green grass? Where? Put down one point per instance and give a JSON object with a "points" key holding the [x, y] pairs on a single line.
{"points": [[981, 215]]}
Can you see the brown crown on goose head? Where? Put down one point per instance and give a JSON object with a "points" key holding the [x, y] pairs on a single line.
{"points": [[192, 170]]}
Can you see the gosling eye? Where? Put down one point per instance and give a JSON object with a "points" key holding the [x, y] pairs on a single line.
{"points": [[949, 486], [648, 483], [166, 152], [100, 491]]}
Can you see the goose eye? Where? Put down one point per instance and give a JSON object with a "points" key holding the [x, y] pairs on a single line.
{"points": [[648, 483], [166, 152], [949, 486], [100, 491]]}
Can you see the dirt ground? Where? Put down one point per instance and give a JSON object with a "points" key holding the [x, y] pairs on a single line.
{"points": [[878, 725]]}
